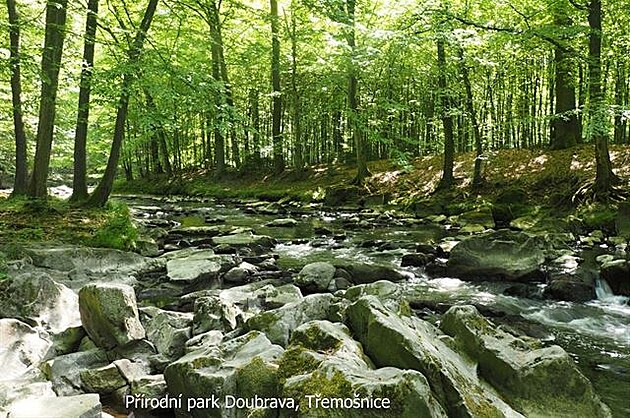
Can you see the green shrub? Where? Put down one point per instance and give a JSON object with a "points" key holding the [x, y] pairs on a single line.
{"points": [[118, 231]]}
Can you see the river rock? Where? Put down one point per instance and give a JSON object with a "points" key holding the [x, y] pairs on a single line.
{"points": [[282, 223], [32, 384], [389, 294], [167, 330], [323, 355], [527, 375], [570, 287], [79, 406], [21, 348], [39, 298], [199, 266], [361, 273], [278, 324], [103, 380], [617, 275], [240, 274], [94, 260], [214, 313], [242, 367], [501, 255], [315, 277], [246, 239], [410, 343], [65, 371], [416, 259], [109, 314]]}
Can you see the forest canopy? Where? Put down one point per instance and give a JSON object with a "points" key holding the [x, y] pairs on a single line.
{"points": [[245, 86]]}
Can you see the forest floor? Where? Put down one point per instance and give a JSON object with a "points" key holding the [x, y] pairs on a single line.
{"points": [[549, 178]]}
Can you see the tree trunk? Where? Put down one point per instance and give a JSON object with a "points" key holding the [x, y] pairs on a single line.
{"points": [[599, 124], [219, 140], [21, 169], [101, 193], [79, 182], [276, 128], [298, 158], [353, 101], [477, 177], [447, 180], [51, 62]]}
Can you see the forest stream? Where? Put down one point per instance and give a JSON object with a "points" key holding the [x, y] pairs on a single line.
{"points": [[595, 333]]}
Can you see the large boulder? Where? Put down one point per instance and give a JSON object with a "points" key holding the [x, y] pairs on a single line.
{"points": [[324, 359], [198, 266], [103, 380], [316, 277], [243, 367], [40, 299], [167, 330], [246, 239], [278, 324], [214, 313], [410, 343], [570, 287], [22, 347], [617, 275], [528, 376], [361, 273], [109, 314], [95, 260], [65, 371], [32, 384], [501, 255], [79, 406]]}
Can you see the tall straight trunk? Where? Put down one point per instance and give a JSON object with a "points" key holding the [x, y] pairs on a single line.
{"points": [[219, 140], [51, 63], [21, 169], [298, 158], [565, 128], [79, 183], [447, 180], [103, 190], [276, 128], [599, 124], [353, 100], [470, 109]]}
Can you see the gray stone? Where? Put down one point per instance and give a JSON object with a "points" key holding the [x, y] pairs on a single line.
{"points": [[278, 324], [528, 376], [65, 371], [282, 223], [39, 298], [241, 274], [214, 313], [410, 343], [198, 266], [242, 367], [245, 240], [79, 406], [103, 380], [21, 348], [501, 255], [361, 273], [315, 277], [110, 315], [324, 355], [95, 260], [167, 330]]}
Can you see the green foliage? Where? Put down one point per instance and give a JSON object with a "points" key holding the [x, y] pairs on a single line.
{"points": [[3, 266], [118, 230], [598, 216]]}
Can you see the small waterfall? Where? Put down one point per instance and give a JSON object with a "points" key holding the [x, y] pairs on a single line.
{"points": [[603, 290]]}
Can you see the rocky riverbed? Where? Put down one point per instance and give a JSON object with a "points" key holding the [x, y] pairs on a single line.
{"points": [[297, 310]]}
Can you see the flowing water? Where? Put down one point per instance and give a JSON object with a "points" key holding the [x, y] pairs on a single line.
{"points": [[595, 333]]}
